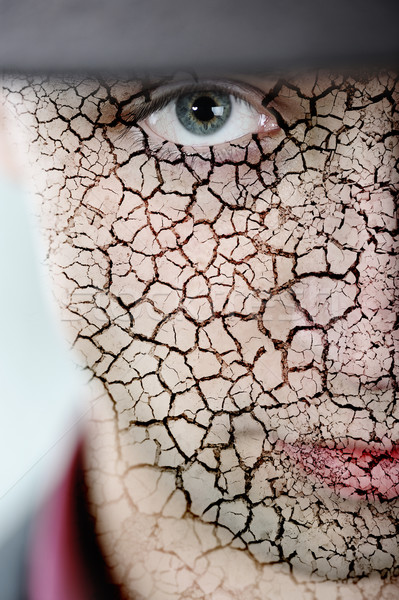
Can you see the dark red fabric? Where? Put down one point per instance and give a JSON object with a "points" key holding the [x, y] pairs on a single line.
{"points": [[56, 572], [65, 560]]}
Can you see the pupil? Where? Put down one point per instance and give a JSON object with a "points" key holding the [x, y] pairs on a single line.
{"points": [[202, 108], [203, 112]]}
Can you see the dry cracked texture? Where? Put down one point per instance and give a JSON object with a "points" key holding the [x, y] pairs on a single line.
{"points": [[236, 307]]}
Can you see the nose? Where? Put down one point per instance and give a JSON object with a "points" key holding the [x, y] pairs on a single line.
{"points": [[364, 343]]}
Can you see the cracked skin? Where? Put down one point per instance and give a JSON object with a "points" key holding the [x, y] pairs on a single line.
{"points": [[235, 306]]}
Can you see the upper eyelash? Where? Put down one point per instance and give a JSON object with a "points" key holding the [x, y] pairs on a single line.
{"points": [[145, 109]]}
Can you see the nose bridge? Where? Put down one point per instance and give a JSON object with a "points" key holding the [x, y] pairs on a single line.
{"points": [[378, 258], [365, 342], [378, 285]]}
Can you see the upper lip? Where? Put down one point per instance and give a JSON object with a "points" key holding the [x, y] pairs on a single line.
{"points": [[351, 447], [362, 471], [358, 451], [352, 451]]}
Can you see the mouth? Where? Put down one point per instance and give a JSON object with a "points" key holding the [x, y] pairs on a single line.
{"points": [[359, 473]]}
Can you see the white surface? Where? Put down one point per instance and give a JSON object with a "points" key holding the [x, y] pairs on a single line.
{"points": [[41, 391]]}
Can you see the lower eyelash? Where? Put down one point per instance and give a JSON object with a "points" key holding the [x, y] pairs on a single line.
{"points": [[138, 141], [228, 152]]}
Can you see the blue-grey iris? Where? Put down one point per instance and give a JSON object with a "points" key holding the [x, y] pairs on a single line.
{"points": [[203, 112]]}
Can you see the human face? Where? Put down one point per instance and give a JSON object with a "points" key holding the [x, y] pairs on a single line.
{"points": [[236, 305]]}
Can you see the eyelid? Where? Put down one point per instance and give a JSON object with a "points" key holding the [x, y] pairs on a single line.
{"points": [[165, 94]]}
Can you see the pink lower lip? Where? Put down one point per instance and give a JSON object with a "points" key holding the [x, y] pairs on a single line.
{"points": [[352, 473]]}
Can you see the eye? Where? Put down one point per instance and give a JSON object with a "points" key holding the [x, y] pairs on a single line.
{"points": [[207, 117]]}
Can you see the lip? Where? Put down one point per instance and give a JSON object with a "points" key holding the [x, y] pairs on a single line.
{"points": [[361, 472]]}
